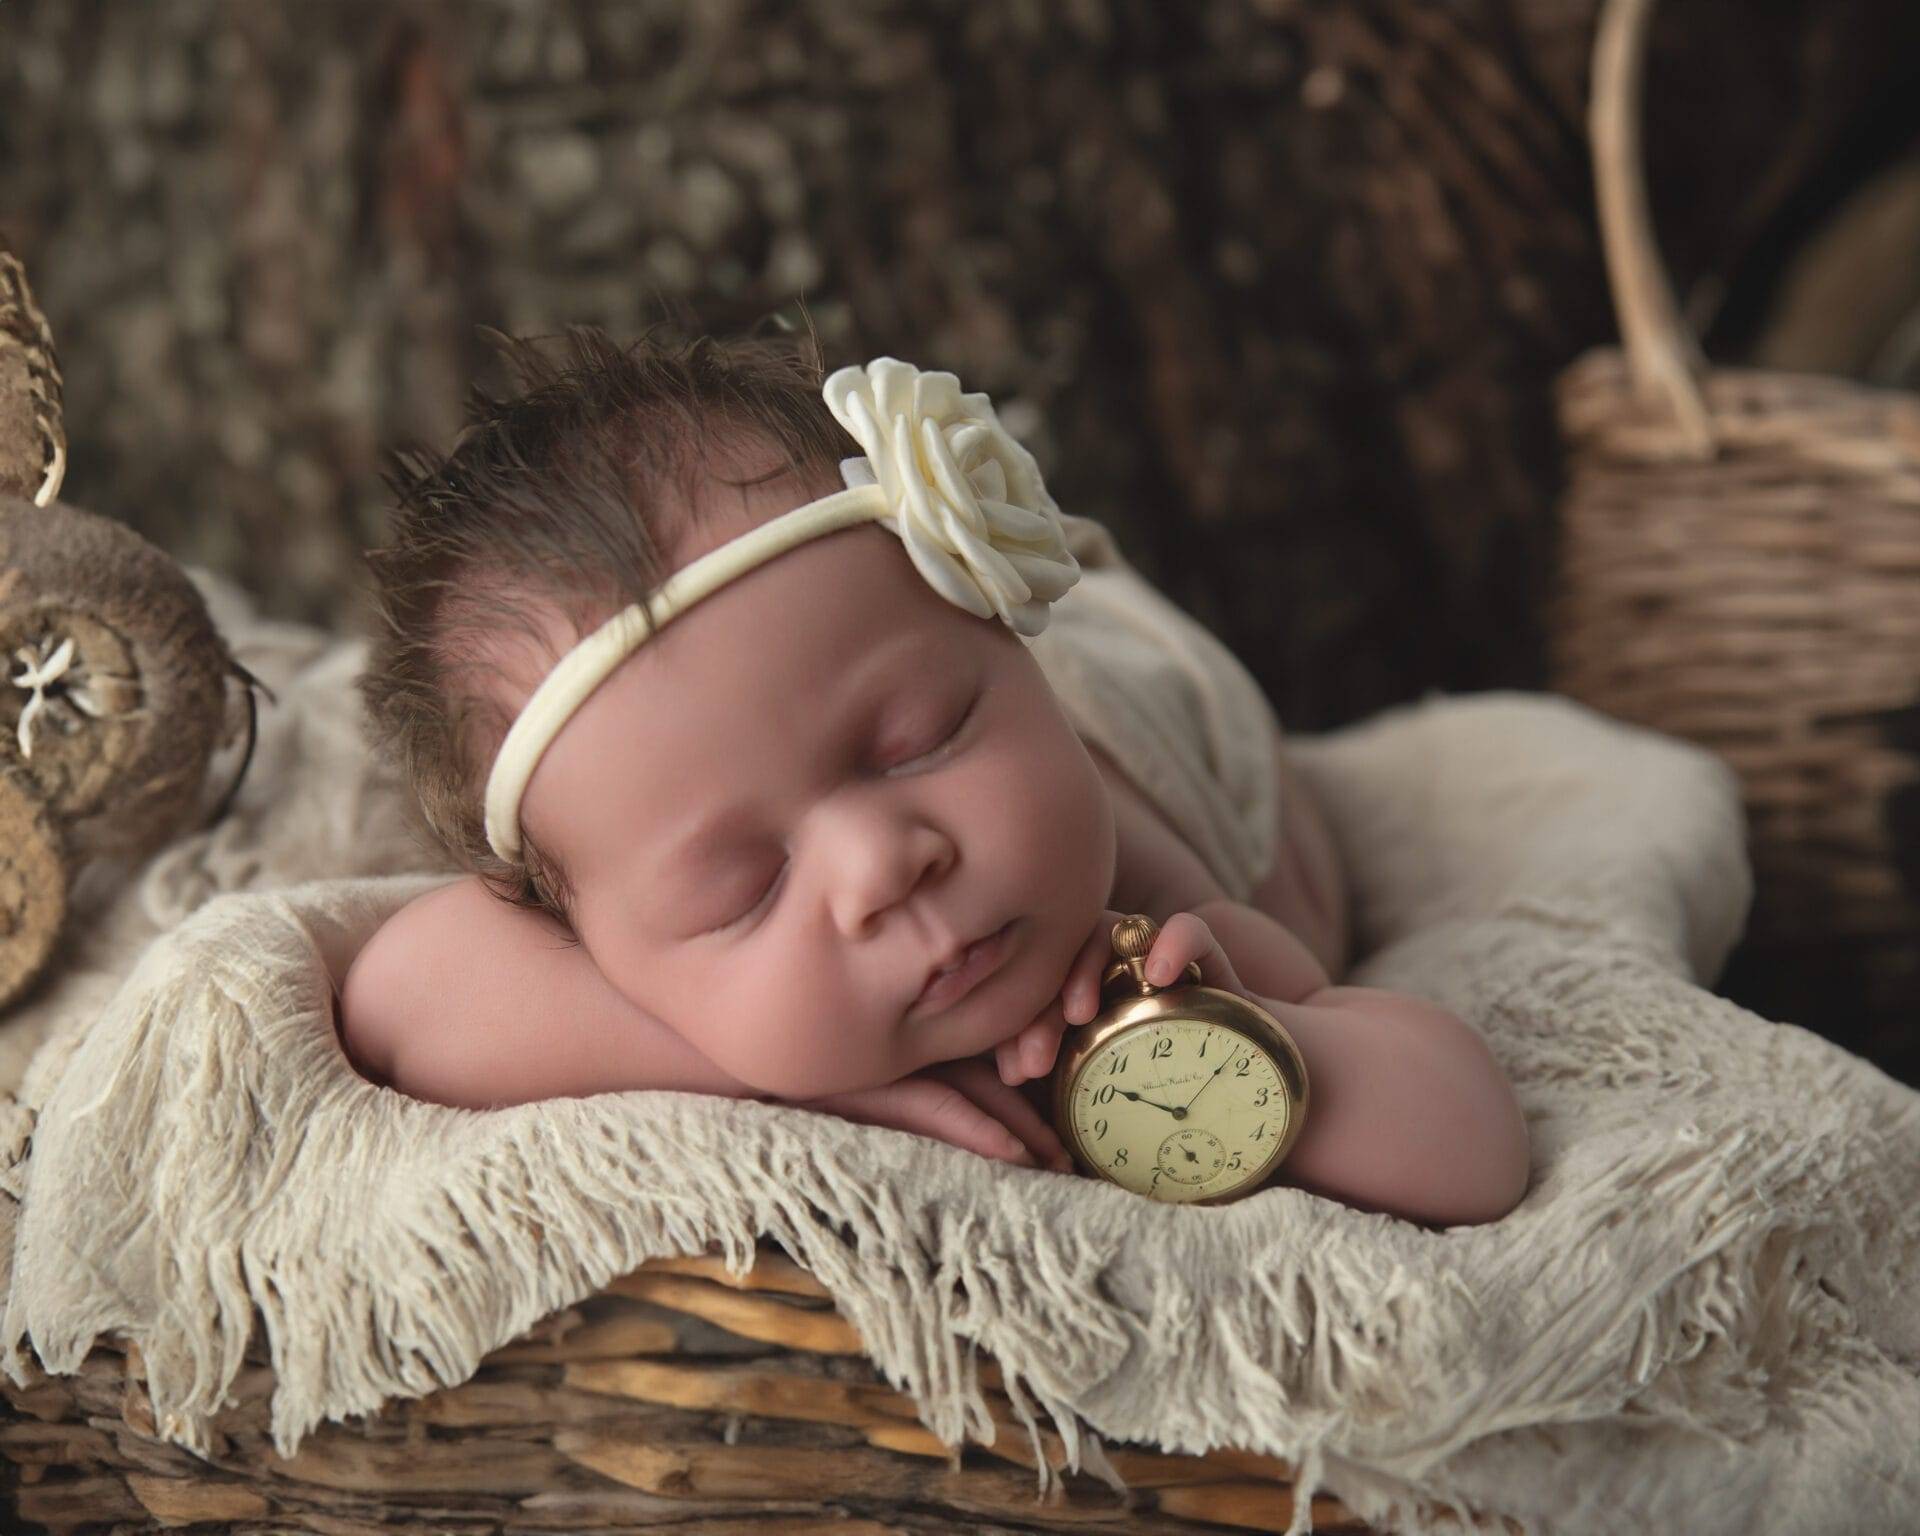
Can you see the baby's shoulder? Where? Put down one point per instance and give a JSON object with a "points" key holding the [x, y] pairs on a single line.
{"points": [[1155, 870], [416, 1006], [400, 969]]}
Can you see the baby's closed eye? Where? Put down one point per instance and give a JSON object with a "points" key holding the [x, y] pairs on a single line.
{"points": [[947, 739], [769, 893]]}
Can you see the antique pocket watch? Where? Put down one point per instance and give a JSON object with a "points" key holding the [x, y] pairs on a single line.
{"points": [[1183, 1093]]}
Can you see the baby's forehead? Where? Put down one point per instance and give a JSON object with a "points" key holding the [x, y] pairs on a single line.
{"points": [[804, 614], [509, 662]]}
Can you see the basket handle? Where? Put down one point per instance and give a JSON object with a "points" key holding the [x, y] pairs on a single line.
{"points": [[1663, 358], [24, 329]]}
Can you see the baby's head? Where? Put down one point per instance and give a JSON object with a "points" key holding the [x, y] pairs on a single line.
{"points": [[781, 809]]}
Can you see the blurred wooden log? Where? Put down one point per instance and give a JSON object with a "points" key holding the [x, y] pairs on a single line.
{"points": [[1277, 286]]}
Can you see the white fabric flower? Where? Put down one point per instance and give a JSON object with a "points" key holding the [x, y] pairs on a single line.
{"points": [[40, 668], [966, 498]]}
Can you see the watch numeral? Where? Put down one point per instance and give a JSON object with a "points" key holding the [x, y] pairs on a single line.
{"points": [[1120, 1158], [1100, 1130], [1105, 1095], [1162, 1047], [1241, 1069], [1261, 1134], [1118, 1065], [1234, 1161], [1260, 1098]]}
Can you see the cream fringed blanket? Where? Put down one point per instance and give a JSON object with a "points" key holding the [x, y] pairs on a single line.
{"points": [[1701, 1319]]}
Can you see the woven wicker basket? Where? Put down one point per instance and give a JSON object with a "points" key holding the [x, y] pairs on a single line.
{"points": [[678, 1399], [1740, 567]]}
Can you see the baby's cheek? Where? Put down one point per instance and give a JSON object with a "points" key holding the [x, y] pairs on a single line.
{"points": [[1069, 829], [774, 1050]]}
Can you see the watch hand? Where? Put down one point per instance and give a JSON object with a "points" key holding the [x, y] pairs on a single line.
{"points": [[1206, 1085], [1141, 1099]]}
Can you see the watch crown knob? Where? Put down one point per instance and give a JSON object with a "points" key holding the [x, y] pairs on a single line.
{"points": [[1133, 937]]}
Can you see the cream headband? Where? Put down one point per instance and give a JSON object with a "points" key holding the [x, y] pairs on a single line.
{"points": [[940, 471]]}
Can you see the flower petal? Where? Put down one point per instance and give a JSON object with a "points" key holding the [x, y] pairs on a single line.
{"points": [[893, 384], [943, 573], [965, 498], [972, 443], [996, 574], [1049, 579], [948, 479], [907, 490], [936, 395], [989, 480], [1017, 523], [25, 728]]}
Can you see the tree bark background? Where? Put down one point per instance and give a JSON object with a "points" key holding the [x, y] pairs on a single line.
{"points": [[1277, 288]]}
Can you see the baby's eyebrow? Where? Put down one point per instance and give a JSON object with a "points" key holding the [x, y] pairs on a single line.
{"points": [[888, 663]]}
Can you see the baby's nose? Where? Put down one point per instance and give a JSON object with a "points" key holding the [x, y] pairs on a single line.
{"points": [[885, 870]]}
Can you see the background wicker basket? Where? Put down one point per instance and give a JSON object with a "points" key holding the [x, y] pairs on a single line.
{"points": [[1740, 566], [113, 678]]}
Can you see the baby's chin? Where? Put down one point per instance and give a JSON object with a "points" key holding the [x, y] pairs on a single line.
{"points": [[1027, 984]]}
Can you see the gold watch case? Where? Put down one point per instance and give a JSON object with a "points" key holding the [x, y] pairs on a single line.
{"points": [[1132, 1006]]}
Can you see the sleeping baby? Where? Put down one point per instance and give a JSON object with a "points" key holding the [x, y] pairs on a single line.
{"points": [[731, 689]]}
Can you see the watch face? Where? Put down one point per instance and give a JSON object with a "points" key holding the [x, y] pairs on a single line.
{"points": [[1180, 1109]]}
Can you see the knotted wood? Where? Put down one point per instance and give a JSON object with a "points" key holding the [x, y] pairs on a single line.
{"points": [[681, 1398]]}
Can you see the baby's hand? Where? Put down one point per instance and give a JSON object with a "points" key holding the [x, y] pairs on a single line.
{"points": [[957, 1102], [1183, 938]]}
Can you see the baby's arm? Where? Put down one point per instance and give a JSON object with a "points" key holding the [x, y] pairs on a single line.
{"points": [[1409, 1111], [462, 999]]}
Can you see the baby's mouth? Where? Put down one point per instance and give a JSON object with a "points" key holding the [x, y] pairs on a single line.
{"points": [[946, 987]]}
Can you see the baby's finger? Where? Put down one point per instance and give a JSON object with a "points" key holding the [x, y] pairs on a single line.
{"points": [[1031, 1053], [1185, 938], [1080, 997], [1006, 1057], [931, 1107], [1007, 1105], [932, 1104], [1040, 1044], [1010, 1056]]}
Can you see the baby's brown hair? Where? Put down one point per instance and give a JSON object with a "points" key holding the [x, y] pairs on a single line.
{"points": [[568, 491]]}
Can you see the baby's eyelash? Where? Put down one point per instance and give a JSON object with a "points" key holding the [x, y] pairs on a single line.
{"points": [[762, 900], [772, 886], [952, 735]]}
